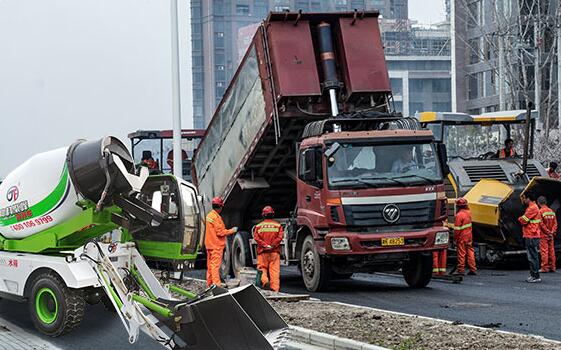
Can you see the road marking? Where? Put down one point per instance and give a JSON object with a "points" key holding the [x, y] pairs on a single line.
{"points": [[14, 338]]}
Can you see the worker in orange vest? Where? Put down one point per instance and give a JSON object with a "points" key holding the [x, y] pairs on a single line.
{"points": [[508, 151], [548, 230], [530, 222], [464, 238], [268, 235], [552, 171], [215, 241], [439, 262]]}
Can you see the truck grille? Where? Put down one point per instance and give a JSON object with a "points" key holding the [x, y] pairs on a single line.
{"points": [[416, 214], [476, 172]]}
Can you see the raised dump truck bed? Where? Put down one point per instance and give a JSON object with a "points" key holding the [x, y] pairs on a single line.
{"points": [[249, 150]]}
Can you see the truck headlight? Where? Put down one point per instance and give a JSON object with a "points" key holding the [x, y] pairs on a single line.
{"points": [[441, 238], [340, 243]]}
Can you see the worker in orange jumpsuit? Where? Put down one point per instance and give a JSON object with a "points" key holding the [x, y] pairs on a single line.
{"points": [[215, 241], [268, 235], [508, 151], [548, 229], [439, 262], [530, 222], [464, 238], [552, 171]]}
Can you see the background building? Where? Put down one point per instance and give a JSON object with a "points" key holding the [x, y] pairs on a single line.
{"points": [[418, 58]]}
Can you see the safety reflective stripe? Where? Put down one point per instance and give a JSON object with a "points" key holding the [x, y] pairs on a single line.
{"points": [[210, 220], [462, 227], [548, 213], [535, 221], [268, 229], [525, 218]]}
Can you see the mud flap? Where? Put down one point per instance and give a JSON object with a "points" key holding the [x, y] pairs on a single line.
{"points": [[240, 319]]}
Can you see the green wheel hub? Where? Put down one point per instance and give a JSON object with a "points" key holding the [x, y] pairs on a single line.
{"points": [[46, 305]]}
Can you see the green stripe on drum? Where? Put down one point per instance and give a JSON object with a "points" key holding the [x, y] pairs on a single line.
{"points": [[46, 204]]}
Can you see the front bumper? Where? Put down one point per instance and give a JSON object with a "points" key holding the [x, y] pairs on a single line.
{"points": [[371, 243]]}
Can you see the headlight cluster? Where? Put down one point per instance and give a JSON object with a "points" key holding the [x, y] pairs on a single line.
{"points": [[340, 243], [441, 238]]}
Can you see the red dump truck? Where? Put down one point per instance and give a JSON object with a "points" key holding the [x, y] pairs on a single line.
{"points": [[307, 126]]}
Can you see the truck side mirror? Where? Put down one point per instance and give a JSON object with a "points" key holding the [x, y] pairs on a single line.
{"points": [[443, 158], [310, 165]]}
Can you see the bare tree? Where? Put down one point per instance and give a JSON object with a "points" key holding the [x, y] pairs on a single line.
{"points": [[516, 40]]}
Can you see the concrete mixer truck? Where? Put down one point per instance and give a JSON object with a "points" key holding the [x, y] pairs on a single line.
{"points": [[56, 206]]}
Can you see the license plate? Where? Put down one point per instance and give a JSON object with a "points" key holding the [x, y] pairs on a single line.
{"points": [[393, 241]]}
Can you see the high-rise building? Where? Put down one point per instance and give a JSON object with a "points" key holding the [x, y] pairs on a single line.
{"points": [[497, 45], [221, 27]]}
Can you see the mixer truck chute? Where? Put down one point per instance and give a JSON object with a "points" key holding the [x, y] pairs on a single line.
{"points": [[53, 210]]}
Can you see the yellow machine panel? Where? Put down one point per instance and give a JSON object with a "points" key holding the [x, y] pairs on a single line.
{"points": [[484, 199]]}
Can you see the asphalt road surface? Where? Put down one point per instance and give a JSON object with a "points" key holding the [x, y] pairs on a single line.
{"points": [[494, 297]]}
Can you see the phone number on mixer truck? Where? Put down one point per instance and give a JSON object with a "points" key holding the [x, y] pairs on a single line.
{"points": [[32, 223]]}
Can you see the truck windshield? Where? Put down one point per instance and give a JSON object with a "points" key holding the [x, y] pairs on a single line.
{"points": [[367, 165], [480, 141]]}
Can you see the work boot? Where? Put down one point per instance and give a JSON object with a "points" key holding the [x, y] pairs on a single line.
{"points": [[543, 271], [472, 273], [458, 273], [532, 279]]}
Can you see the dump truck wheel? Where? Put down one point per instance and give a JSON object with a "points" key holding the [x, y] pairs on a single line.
{"points": [[417, 271], [55, 309], [316, 270], [241, 254]]}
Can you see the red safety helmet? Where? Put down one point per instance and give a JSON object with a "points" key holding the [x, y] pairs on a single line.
{"points": [[217, 201], [268, 210], [461, 202]]}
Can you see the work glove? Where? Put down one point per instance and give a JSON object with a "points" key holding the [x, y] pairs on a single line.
{"points": [[234, 229]]}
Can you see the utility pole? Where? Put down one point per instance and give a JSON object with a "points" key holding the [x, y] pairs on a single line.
{"points": [[559, 77], [175, 91], [537, 71]]}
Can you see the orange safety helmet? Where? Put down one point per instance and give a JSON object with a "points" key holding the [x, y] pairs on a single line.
{"points": [[217, 201], [268, 210], [462, 202]]}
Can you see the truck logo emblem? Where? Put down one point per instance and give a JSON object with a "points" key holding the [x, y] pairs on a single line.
{"points": [[391, 213], [13, 194]]}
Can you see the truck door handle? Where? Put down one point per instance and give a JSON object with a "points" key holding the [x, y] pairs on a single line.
{"points": [[308, 198]]}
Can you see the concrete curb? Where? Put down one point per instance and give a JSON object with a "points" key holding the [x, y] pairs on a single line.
{"points": [[328, 341], [538, 337]]}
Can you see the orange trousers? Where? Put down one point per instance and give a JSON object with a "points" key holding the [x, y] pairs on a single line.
{"points": [[465, 247], [269, 264], [439, 262], [213, 262], [547, 253]]}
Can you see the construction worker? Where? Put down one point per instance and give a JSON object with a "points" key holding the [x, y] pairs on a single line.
{"points": [[148, 161], [508, 151], [464, 238], [530, 222], [548, 230], [552, 171], [215, 241], [439, 262], [268, 235]]}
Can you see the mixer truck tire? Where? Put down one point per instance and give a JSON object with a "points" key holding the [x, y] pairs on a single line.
{"points": [[241, 254], [417, 271], [55, 309], [316, 270]]}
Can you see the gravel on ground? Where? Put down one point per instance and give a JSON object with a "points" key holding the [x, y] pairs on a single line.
{"points": [[395, 331]]}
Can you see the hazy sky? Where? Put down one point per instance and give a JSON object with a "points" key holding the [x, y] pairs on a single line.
{"points": [[427, 11], [74, 69]]}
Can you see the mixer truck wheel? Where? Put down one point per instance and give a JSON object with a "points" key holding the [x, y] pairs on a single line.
{"points": [[55, 309], [316, 270], [241, 254], [417, 271]]}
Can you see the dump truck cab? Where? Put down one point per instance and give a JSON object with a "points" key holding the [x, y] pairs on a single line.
{"points": [[492, 185]]}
